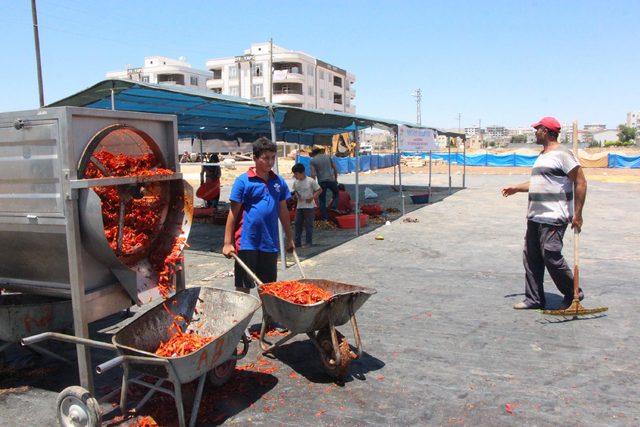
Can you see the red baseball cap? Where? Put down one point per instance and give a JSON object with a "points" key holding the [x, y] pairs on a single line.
{"points": [[549, 122]]}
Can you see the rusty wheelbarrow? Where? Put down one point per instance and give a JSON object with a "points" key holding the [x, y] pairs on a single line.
{"points": [[318, 321], [211, 312]]}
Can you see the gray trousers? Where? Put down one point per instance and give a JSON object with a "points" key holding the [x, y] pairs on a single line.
{"points": [[543, 248]]}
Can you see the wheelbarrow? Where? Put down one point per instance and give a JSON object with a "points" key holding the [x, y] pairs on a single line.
{"points": [[318, 321], [209, 311]]}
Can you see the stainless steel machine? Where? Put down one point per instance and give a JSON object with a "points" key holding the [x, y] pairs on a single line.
{"points": [[52, 230]]}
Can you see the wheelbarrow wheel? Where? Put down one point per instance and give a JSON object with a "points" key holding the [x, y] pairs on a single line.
{"points": [[219, 375], [77, 408], [327, 355]]}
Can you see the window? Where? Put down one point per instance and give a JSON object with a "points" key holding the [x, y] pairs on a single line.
{"points": [[234, 90], [310, 70], [256, 91], [337, 81], [256, 70], [217, 73], [321, 75], [310, 92], [216, 90], [337, 98], [322, 93], [233, 72], [193, 80], [145, 79]]}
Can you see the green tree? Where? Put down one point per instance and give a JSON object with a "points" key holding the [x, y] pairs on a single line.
{"points": [[626, 134]]}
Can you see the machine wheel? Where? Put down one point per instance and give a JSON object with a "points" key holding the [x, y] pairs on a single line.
{"points": [[327, 354], [220, 374], [77, 408]]}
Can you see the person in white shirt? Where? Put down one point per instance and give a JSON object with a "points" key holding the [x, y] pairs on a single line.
{"points": [[551, 208], [306, 190]]}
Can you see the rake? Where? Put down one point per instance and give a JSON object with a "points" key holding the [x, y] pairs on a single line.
{"points": [[576, 309]]}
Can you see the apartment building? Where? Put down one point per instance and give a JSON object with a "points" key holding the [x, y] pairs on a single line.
{"points": [[163, 70], [298, 79], [633, 119]]}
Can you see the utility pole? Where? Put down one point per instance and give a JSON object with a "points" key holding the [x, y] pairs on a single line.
{"points": [[271, 70], [459, 119], [480, 132], [418, 96], [36, 38]]}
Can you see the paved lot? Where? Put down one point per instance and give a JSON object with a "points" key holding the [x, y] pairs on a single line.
{"points": [[443, 346]]}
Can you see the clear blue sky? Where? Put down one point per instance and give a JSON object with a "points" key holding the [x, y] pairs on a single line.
{"points": [[505, 62]]}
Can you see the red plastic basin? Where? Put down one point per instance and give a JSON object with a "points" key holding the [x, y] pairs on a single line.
{"points": [[349, 221], [373, 209]]}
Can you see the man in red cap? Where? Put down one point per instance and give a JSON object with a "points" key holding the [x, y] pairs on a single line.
{"points": [[555, 174]]}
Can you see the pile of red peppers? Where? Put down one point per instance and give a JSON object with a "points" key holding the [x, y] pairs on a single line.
{"points": [[296, 292], [142, 223]]}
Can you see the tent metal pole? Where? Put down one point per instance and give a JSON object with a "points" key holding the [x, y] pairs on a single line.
{"points": [[113, 99], [449, 156], [464, 163], [395, 148], [283, 255], [357, 140], [400, 175], [429, 176]]}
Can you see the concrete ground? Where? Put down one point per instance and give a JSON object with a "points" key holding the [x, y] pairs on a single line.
{"points": [[442, 344]]}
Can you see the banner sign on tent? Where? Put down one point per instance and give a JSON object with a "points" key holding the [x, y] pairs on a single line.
{"points": [[412, 139]]}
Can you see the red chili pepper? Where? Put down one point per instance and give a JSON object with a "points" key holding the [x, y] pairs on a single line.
{"points": [[296, 292]]}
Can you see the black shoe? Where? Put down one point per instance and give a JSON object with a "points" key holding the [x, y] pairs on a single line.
{"points": [[568, 299]]}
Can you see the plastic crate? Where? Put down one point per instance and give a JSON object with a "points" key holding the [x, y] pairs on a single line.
{"points": [[220, 217], [420, 199], [373, 209], [349, 221], [203, 212]]}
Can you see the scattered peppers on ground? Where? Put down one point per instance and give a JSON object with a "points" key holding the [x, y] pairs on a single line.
{"points": [[296, 292]]}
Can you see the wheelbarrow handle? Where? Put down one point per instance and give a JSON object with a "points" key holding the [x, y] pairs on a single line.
{"points": [[66, 338], [295, 257], [246, 268], [117, 361]]}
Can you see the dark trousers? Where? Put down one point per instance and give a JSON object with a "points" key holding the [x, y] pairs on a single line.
{"points": [[543, 248], [328, 185], [263, 264], [304, 217]]}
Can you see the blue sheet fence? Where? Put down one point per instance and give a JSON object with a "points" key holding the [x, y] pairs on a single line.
{"points": [[517, 160], [348, 164]]}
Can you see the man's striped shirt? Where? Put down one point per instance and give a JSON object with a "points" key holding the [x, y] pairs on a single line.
{"points": [[550, 189]]}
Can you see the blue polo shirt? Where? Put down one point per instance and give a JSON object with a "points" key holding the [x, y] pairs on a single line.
{"points": [[257, 228]]}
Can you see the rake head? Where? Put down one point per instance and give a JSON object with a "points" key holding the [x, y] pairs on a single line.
{"points": [[575, 309]]}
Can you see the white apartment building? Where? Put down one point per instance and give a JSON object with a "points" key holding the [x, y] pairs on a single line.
{"points": [[299, 79], [163, 70], [596, 127], [496, 132], [472, 131], [633, 119]]}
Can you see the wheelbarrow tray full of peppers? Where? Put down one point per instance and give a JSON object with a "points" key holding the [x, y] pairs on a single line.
{"points": [[319, 322], [218, 314]]}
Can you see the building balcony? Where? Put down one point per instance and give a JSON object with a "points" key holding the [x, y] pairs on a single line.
{"points": [[285, 76], [214, 83], [288, 98]]}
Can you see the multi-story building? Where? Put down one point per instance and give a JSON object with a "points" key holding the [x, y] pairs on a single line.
{"points": [[471, 131], [633, 119], [595, 127], [162, 70], [496, 132], [298, 79]]}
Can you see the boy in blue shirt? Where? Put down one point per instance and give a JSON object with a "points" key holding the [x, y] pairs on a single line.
{"points": [[258, 200]]}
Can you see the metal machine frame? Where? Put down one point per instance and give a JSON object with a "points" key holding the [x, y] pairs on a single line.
{"points": [[106, 300]]}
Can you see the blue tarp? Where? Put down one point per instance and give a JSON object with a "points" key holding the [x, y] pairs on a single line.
{"points": [[619, 161], [513, 159], [207, 115], [348, 164]]}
